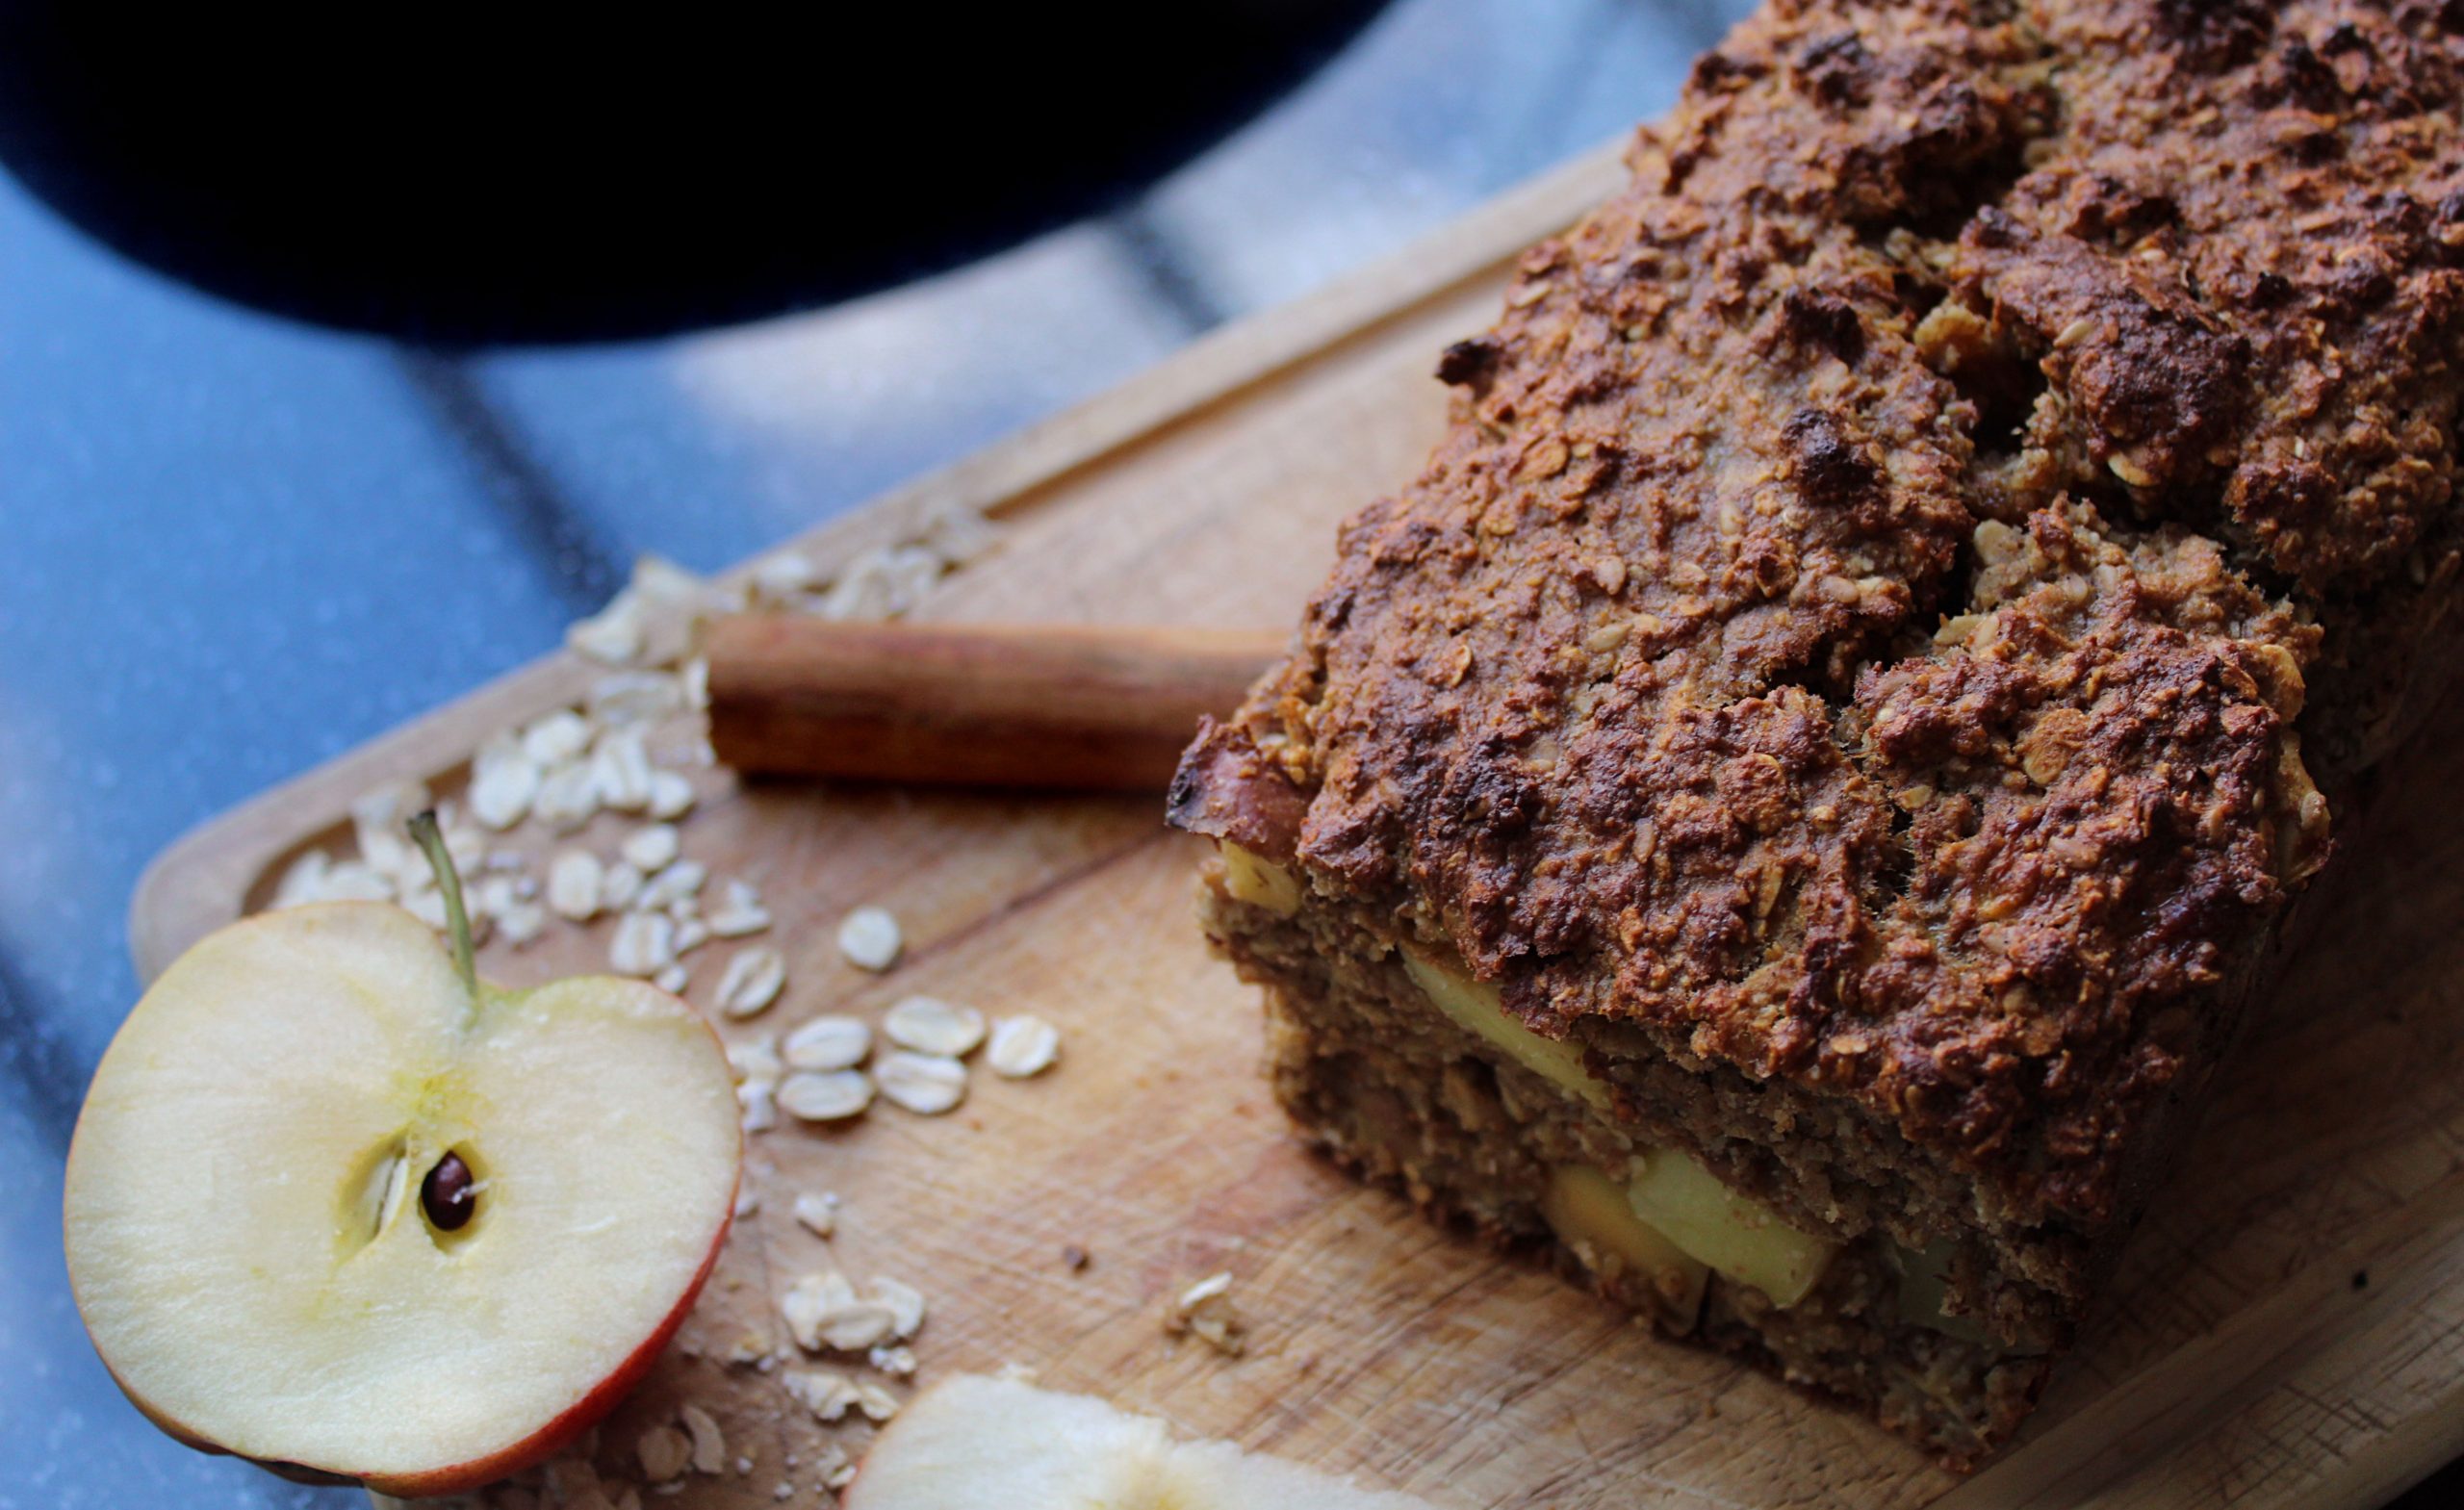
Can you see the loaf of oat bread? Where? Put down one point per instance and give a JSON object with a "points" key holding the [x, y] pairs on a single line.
{"points": [[1788, 809]]}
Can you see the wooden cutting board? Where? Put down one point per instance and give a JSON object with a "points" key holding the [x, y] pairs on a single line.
{"points": [[2288, 1329]]}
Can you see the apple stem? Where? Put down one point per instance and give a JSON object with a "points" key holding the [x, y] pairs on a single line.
{"points": [[430, 840]]}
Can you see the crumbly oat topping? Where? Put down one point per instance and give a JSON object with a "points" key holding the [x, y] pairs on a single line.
{"points": [[1634, 694]]}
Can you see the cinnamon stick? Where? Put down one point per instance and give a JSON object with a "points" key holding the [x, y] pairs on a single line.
{"points": [[1068, 708]]}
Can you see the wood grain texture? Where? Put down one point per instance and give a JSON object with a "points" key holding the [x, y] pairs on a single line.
{"points": [[2289, 1330]]}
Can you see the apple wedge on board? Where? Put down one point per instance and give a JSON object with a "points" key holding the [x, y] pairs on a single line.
{"points": [[336, 1205], [972, 1441]]}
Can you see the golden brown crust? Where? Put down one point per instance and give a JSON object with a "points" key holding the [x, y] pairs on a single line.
{"points": [[1861, 611]]}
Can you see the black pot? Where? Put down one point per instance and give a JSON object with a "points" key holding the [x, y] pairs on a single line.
{"points": [[541, 181]]}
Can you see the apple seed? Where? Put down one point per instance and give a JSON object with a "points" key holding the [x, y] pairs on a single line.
{"points": [[449, 1195]]}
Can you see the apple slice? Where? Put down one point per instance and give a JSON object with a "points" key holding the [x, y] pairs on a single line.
{"points": [[971, 1440], [336, 1205]]}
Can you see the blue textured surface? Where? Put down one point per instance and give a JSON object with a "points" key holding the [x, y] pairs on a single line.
{"points": [[236, 547]]}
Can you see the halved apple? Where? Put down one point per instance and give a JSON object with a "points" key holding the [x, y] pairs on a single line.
{"points": [[973, 1441], [338, 1206]]}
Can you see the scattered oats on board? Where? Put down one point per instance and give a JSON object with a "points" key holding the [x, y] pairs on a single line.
{"points": [[760, 1099], [555, 738], [612, 636], [521, 922], [304, 881], [870, 938], [672, 980], [630, 698], [825, 1392], [568, 797], [1022, 1046], [818, 1214], [835, 1468], [503, 781], [752, 982], [756, 1061], [651, 847], [620, 886], [749, 1348], [877, 1403], [824, 1313], [832, 1041], [491, 894], [930, 1025], [671, 795], [650, 620], [644, 945], [926, 1084], [739, 912], [356, 880], [898, 1361], [831, 1096], [680, 881], [378, 821], [709, 1442], [620, 770], [781, 577], [573, 881], [906, 1304], [664, 1452], [1205, 1310]]}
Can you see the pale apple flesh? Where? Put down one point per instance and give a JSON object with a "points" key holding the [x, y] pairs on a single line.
{"points": [[1678, 1204], [246, 1230], [973, 1441], [1592, 1216]]}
